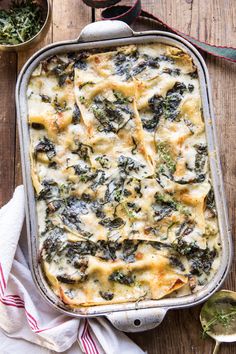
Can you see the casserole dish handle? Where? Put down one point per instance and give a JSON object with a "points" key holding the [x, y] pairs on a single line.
{"points": [[137, 320], [105, 30]]}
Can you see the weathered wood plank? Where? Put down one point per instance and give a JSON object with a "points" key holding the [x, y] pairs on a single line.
{"points": [[69, 17], [8, 65], [206, 20]]}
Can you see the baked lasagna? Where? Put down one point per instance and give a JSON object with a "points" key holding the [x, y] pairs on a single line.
{"points": [[119, 163]]}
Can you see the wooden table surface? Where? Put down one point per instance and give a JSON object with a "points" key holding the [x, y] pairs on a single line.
{"points": [[213, 21]]}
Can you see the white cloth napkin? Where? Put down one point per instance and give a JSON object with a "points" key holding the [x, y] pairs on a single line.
{"points": [[27, 322]]}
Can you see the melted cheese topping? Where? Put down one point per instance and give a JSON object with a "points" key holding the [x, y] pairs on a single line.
{"points": [[120, 169]]}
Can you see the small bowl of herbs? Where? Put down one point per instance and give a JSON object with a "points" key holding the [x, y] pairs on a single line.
{"points": [[23, 23]]}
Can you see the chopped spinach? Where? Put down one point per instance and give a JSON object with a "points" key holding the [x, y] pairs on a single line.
{"points": [[158, 245], [194, 74], [190, 125], [50, 190], [80, 248], [170, 106], [119, 277], [134, 207], [70, 211], [53, 244], [184, 229], [60, 72], [165, 58], [172, 101], [45, 145], [126, 193], [82, 150], [110, 114], [37, 126], [53, 206], [60, 68], [81, 264], [121, 99], [200, 159], [85, 84], [200, 259], [201, 149], [198, 179], [190, 87], [151, 62], [115, 190], [166, 156], [107, 250], [164, 206], [124, 63], [138, 188], [127, 165], [163, 171], [80, 61], [66, 279], [76, 115], [97, 177], [172, 72], [79, 276], [45, 99], [72, 221], [84, 172], [107, 295], [97, 208], [156, 105], [99, 180], [165, 199], [129, 248], [76, 206], [179, 87], [175, 262], [128, 66], [137, 69], [210, 202], [103, 160], [53, 165], [112, 224], [59, 106], [133, 151]]}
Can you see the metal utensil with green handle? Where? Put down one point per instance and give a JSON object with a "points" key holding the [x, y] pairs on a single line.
{"points": [[218, 317]]}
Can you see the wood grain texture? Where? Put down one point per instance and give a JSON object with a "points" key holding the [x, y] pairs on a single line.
{"points": [[213, 21], [69, 17], [8, 66]]}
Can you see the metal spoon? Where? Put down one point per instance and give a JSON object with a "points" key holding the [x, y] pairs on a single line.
{"points": [[218, 317]]}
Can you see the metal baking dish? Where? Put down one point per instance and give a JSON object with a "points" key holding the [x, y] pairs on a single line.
{"points": [[148, 313]]}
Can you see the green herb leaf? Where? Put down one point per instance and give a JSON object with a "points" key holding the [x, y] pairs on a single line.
{"points": [[21, 22]]}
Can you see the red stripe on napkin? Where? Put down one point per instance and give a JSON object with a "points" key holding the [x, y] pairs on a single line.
{"points": [[16, 301]]}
